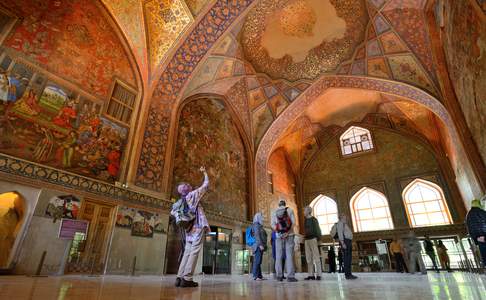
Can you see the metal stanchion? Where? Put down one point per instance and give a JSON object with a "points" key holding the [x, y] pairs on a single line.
{"points": [[134, 264], [40, 265]]}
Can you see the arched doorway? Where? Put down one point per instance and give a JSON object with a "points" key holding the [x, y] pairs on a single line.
{"points": [[12, 211]]}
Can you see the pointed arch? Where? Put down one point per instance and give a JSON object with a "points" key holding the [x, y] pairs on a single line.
{"points": [[425, 204], [325, 209], [370, 211]]}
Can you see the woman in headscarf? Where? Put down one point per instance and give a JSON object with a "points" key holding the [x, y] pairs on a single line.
{"points": [[476, 226], [259, 246]]}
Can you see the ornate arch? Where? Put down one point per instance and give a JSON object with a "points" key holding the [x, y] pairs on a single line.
{"points": [[326, 83]]}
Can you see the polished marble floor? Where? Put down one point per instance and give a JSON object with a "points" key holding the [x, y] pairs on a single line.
{"points": [[369, 286]]}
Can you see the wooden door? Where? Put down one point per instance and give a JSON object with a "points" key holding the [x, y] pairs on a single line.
{"points": [[92, 254]]}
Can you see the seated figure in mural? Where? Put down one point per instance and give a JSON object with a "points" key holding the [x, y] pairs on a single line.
{"points": [[66, 115], [28, 103], [3, 87], [189, 204]]}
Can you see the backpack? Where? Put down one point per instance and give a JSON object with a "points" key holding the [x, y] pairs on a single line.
{"points": [[284, 223], [250, 239], [333, 232], [184, 216]]}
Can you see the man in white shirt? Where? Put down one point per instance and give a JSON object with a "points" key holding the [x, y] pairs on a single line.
{"points": [[283, 221], [345, 236], [195, 235]]}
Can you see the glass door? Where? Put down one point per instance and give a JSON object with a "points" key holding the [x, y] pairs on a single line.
{"points": [[217, 251]]}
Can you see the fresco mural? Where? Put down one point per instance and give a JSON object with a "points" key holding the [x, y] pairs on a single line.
{"points": [[143, 224], [208, 137], [71, 39], [465, 49], [52, 125], [66, 206]]}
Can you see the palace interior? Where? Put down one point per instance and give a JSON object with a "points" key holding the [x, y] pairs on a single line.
{"points": [[371, 108]]}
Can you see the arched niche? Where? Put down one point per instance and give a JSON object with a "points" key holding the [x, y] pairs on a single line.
{"points": [[209, 134], [12, 217]]}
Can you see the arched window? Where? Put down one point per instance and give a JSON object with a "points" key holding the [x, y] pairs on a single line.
{"points": [[370, 211], [425, 204], [355, 140], [326, 212]]}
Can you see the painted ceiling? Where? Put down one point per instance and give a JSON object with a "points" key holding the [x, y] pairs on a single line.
{"points": [[153, 27], [302, 39], [327, 116]]}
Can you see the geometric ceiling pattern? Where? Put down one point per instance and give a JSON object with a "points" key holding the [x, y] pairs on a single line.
{"points": [[395, 48], [129, 15], [152, 27]]}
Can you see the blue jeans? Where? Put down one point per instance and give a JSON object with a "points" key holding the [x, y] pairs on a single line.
{"points": [[257, 264]]}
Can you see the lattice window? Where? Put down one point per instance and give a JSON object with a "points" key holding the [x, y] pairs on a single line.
{"points": [[122, 103], [370, 211], [425, 204], [355, 140], [326, 212]]}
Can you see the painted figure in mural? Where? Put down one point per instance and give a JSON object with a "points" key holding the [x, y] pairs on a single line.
{"points": [[195, 233], [13, 85], [28, 103], [67, 148], [66, 115], [3, 87], [43, 148], [114, 161]]}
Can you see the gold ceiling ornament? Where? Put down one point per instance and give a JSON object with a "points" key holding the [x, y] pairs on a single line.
{"points": [[302, 39], [298, 19]]}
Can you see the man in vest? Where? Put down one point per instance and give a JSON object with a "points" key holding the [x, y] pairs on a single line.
{"points": [[312, 239], [283, 222], [195, 234], [345, 236]]}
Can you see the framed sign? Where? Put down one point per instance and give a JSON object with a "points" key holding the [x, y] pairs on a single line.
{"points": [[68, 228]]}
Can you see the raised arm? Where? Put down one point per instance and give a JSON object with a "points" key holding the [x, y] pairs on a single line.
{"points": [[199, 192]]}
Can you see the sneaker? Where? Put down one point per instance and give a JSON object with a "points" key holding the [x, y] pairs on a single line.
{"points": [[310, 278], [178, 282], [188, 283], [279, 278], [351, 277], [318, 278], [291, 279]]}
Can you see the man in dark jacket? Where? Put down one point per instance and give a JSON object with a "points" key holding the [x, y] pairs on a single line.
{"points": [[312, 238], [476, 226]]}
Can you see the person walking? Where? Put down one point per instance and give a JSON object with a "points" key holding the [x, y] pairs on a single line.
{"points": [[189, 204], [312, 237], [414, 249], [476, 226], [260, 245], [345, 236], [283, 221], [331, 258], [429, 249], [396, 250], [443, 256]]}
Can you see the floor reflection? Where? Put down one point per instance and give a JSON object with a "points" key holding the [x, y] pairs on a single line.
{"points": [[369, 286]]}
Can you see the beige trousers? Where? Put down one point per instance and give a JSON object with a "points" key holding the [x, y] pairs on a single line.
{"points": [[313, 257], [191, 254]]}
